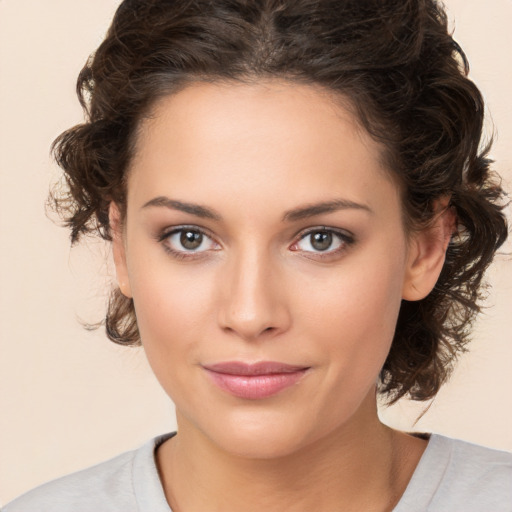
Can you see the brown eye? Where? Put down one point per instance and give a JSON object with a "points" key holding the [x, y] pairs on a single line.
{"points": [[191, 240], [188, 241], [321, 240]]}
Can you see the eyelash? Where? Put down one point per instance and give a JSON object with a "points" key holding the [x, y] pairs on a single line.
{"points": [[183, 255], [345, 239]]}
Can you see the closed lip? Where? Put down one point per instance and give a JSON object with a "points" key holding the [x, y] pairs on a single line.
{"points": [[254, 381], [258, 368]]}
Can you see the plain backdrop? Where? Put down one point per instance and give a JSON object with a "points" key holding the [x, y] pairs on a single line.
{"points": [[68, 397]]}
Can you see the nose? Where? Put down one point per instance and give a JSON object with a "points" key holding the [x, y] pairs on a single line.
{"points": [[254, 302]]}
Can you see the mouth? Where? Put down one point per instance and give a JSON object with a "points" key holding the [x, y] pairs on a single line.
{"points": [[254, 381]]}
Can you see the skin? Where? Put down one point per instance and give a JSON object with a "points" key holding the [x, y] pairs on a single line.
{"points": [[258, 289]]}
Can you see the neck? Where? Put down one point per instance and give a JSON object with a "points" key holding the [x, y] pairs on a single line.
{"points": [[362, 466]]}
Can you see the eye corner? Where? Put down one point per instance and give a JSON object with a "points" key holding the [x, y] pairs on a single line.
{"points": [[341, 239], [173, 241]]}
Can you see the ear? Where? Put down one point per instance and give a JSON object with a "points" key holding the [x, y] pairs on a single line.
{"points": [[427, 252], [118, 250]]}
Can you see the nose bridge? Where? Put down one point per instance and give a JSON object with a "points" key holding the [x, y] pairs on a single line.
{"points": [[253, 303]]}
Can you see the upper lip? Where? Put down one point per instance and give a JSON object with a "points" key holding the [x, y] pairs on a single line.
{"points": [[259, 368]]}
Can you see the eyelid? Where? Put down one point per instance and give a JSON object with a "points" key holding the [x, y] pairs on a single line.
{"points": [[166, 233], [343, 233], [346, 238]]}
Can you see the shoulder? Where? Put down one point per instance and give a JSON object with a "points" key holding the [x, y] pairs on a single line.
{"points": [[84, 490], [457, 475], [110, 486], [471, 464]]}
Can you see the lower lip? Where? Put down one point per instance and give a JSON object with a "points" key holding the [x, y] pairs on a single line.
{"points": [[255, 387]]}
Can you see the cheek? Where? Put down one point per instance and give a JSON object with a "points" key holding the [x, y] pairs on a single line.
{"points": [[172, 312], [171, 307], [354, 313]]}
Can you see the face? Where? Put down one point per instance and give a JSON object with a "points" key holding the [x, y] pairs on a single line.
{"points": [[265, 253]]}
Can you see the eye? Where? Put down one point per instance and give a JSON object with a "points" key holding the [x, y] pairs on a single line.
{"points": [[187, 240], [322, 241]]}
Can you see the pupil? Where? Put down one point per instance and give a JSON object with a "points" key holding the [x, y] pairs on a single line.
{"points": [[191, 239], [321, 241]]}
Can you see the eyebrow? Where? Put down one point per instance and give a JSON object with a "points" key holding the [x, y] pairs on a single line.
{"points": [[293, 215], [324, 207], [194, 209]]}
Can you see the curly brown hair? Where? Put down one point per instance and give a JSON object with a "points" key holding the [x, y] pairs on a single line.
{"points": [[406, 79]]}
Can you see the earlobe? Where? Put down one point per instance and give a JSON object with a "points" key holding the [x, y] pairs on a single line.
{"points": [[118, 250], [427, 252]]}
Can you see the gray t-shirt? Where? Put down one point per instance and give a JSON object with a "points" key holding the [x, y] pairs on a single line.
{"points": [[452, 476]]}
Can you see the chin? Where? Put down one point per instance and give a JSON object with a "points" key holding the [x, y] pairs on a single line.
{"points": [[261, 437], [261, 445]]}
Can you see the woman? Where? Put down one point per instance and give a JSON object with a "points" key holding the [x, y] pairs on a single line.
{"points": [[300, 217]]}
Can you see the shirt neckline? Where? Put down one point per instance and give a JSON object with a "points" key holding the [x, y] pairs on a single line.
{"points": [[150, 496], [147, 486], [427, 476]]}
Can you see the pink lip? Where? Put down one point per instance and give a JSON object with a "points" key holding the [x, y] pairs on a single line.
{"points": [[254, 381]]}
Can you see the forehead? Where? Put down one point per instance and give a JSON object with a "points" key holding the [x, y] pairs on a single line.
{"points": [[255, 140]]}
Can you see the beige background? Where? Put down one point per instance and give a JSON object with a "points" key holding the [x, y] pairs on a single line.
{"points": [[69, 398]]}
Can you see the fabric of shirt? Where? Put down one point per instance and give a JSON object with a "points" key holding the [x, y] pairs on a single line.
{"points": [[452, 476]]}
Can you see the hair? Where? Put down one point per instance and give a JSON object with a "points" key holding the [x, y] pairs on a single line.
{"points": [[404, 76]]}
